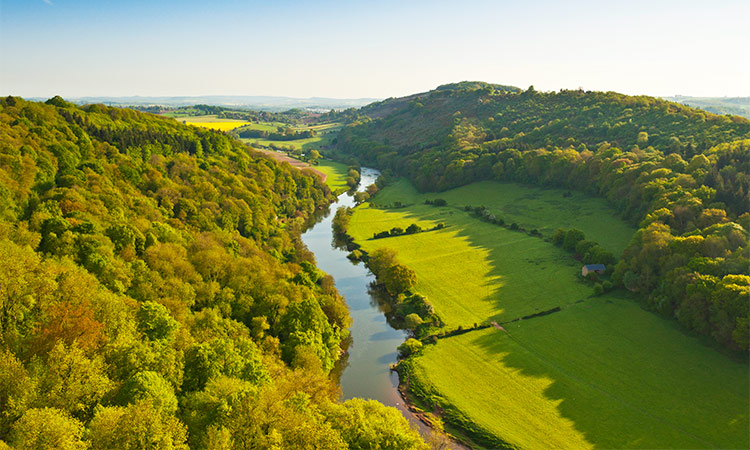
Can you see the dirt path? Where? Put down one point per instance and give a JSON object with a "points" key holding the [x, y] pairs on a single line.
{"points": [[498, 326], [293, 162]]}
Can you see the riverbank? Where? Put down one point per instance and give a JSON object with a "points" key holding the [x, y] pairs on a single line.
{"points": [[364, 370], [585, 376]]}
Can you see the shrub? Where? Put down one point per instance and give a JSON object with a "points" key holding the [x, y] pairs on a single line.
{"points": [[413, 228], [412, 321], [572, 237], [409, 347]]}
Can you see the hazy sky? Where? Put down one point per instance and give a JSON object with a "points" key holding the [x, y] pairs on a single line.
{"points": [[371, 48]]}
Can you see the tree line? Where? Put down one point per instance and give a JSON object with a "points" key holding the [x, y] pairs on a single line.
{"points": [[681, 175]]}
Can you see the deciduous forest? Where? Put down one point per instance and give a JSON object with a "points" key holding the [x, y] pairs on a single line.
{"points": [[155, 294]]}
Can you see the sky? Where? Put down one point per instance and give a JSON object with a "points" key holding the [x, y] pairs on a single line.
{"points": [[373, 49]]}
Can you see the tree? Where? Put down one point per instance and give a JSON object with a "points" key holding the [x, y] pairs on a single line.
{"points": [[47, 429], [150, 385], [409, 347], [140, 425], [572, 237], [17, 390], [642, 140], [399, 278], [314, 157], [412, 321], [238, 358], [380, 260], [155, 321], [73, 382], [413, 228], [369, 425]]}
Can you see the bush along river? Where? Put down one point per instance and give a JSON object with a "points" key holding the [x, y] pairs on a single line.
{"points": [[364, 372]]}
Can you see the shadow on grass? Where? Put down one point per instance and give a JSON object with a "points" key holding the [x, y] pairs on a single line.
{"points": [[627, 378], [643, 384], [526, 275]]}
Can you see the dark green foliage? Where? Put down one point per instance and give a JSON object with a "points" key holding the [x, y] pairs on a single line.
{"points": [[681, 174], [413, 228], [572, 238]]}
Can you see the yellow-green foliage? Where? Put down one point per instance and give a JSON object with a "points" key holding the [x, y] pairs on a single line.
{"points": [[590, 376], [153, 294]]}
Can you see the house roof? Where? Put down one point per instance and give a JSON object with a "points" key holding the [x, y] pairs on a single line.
{"points": [[595, 267]]}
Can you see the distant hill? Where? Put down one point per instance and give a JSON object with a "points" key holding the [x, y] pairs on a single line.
{"points": [[682, 175], [467, 123], [739, 106], [262, 103]]}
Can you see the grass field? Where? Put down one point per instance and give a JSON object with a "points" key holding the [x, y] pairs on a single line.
{"points": [[300, 144], [336, 174], [602, 374], [266, 126], [325, 133], [473, 271], [531, 207]]}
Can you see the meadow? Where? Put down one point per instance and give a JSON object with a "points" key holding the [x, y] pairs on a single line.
{"points": [[336, 174], [531, 207], [296, 144], [323, 136], [472, 271], [601, 374]]}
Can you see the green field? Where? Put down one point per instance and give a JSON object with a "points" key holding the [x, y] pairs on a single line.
{"points": [[266, 126], [474, 271], [602, 374], [297, 144], [336, 174], [531, 207], [323, 137]]}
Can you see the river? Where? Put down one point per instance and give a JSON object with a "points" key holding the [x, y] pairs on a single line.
{"points": [[365, 372]]}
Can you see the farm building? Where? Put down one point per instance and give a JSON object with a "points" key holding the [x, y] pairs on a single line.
{"points": [[598, 268]]}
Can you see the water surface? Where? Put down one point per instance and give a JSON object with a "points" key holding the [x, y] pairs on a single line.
{"points": [[365, 372]]}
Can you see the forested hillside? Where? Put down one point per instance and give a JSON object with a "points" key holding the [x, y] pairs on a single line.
{"points": [[682, 175], [154, 292]]}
